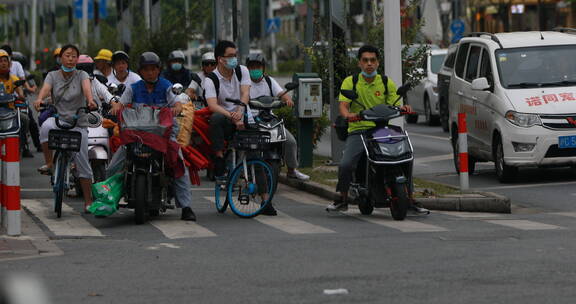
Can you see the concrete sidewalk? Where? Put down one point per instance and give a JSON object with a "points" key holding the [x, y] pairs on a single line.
{"points": [[32, 243]]}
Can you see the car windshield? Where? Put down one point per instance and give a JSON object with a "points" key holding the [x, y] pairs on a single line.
{"points": [[436, 62], [537, 66]]}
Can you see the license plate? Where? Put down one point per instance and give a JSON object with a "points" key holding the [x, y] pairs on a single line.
{"points": [[567, 142]]}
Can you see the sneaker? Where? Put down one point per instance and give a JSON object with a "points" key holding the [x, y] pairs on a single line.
{"points": [[26, 153], [338, 205], [188, 214], [415, 210], [298, 175], [269, 210]]}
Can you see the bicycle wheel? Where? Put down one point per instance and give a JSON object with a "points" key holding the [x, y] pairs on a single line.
{"points": [[250, 190], [220, 197], [58, 188]]}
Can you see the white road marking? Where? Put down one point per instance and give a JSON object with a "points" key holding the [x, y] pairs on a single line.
{"points": [[469, 214], [529, 185], [71, 224], [174, 228], [434, 158], [569, 214], [429, 136], [524, 224], [404, 226], [288, 224], [339, 291]]}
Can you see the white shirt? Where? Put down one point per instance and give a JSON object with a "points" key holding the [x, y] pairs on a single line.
{"points": [[261, 88], [197, 87], [100, 92], [16, 69], [228, 88], [132, 78]]}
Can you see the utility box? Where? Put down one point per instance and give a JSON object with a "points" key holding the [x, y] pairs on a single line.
{"points": [[308, 95]]}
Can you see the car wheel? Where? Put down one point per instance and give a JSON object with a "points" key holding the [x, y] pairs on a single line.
{"points": [[504, 172]]}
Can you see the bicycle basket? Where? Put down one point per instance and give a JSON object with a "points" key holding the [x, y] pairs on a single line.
{"points": [[251, 140], [64, 140]]}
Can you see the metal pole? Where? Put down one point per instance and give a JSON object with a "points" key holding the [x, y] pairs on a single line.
{"points": [[245, 32], [365, 24], [147, 21], [53, 21], [33, 13], [272, 38], [392, 46], [308, 34], [84, 26], [263, 24]]}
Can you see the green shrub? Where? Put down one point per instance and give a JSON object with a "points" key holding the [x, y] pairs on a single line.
{"points": [[291, 66]]}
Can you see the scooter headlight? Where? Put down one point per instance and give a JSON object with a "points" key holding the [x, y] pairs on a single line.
{"points": [[394, 149]]}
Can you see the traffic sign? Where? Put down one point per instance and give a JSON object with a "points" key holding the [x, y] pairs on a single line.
{"points": [[102, 9], [457, 27], [273, 25]]}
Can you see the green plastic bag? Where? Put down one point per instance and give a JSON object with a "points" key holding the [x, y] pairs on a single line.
{"points": [[106, 195]]}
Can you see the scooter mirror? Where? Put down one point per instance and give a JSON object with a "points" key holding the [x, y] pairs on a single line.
{"points": [[403, 90], [291, 86], [103, 80], [112, 88], [121, 88], [177, 89], [350, 94], [19, 82], [30, 77]]}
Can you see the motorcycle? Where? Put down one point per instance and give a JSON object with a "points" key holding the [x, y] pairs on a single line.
{"points": [[267, 121], [383, 176], [23, 109]]}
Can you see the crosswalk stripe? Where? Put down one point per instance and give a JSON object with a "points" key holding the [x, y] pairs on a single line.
{"points": [[174, 228], [471, 215], [286, 223], [524, 224], [404, 226], [71, 224], [568, 214]]}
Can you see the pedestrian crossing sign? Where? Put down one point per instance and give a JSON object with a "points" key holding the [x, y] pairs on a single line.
{"points": [[273, 25]]}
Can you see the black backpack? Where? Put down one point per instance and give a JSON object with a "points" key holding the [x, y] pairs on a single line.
{"points": [[341, 123]]}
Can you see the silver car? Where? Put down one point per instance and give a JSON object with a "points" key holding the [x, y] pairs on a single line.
{"points": [[424, 96]]}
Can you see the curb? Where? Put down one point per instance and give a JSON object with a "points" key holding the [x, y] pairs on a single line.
{"points": [[482, 202]]}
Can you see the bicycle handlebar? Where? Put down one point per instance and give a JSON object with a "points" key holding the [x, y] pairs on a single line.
{"points": [[75, 118]]}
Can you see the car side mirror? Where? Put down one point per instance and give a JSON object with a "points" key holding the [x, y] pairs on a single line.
{"points": [[480, 84], [350, 94], [177, 89]]}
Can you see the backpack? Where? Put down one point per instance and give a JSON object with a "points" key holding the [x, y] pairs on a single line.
{"points": [[269, 82], [216, 81], [341, 123]]}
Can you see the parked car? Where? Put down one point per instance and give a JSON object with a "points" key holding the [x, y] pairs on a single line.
{"points": [[518, 91], [424, 96], [444, 76]]}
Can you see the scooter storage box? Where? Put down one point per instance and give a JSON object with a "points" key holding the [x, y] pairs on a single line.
{"points": [[64, 140], [9, 120]]}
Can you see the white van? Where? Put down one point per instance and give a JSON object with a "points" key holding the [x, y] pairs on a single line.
{"points": [[518, 91]]}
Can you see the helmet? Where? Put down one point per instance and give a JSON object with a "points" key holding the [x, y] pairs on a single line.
{"points": [[175, 55], [85, 59], [256, 58], [17, 56], [120, 55], [86, 64], [208, 57], [3, 53], [149, 58], [56, 52], [104, 54]]}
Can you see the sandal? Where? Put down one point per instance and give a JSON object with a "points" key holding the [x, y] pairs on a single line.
{"points": [[45, 170]]}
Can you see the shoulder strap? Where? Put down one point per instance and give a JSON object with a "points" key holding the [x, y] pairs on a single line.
{"points": [[216, 82], [354, 82], [269, 82], [238, 71], [196, 78], [385, 82]]}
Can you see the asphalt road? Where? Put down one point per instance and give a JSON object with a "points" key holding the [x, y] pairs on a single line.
{"points": [[303, 254]]}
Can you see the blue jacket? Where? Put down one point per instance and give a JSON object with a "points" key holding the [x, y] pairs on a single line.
{"points": [[158, 97]]}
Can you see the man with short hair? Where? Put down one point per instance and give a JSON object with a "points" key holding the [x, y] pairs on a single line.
{"points": [[227, 116], [121, 73], [176, 72], [103, 63]]}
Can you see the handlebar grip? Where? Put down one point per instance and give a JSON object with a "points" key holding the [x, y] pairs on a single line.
{"points": [[235, 101], [57, 119]]}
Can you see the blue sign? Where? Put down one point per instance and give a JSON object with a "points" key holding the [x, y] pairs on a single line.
{"points": [[78, 9], [458, 27], [273, 25]]}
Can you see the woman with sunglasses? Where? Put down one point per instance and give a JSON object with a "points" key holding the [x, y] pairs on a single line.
{"points": [[208, 65]]}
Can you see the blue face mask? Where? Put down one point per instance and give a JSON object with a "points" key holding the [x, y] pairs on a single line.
{"points": [[68, 70], [231, 63], [373, 74], [176, 66]]}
